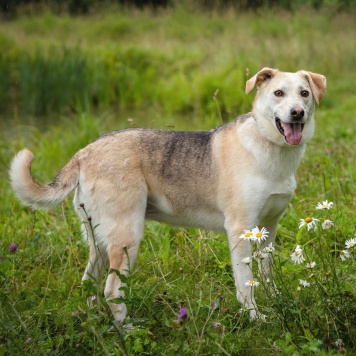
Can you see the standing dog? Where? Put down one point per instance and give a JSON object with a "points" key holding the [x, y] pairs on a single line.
{"points": [[234, 177]]}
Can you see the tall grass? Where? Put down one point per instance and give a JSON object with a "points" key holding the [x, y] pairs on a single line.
{"points": [[123, 60], [88, 75]]}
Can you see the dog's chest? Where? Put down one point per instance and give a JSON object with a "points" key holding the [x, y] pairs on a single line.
{"points": [[267, 199]]}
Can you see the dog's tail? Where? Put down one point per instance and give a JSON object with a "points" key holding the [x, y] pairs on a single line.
{"points": [[38, 196]]}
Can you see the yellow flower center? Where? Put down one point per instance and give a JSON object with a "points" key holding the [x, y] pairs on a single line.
{"points": [[342, 252], [248, 234], [297, 254], [308, 220], [259, 234]]}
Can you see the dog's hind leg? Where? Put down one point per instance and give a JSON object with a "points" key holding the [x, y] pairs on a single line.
{"points": [[123, 248], [98, 258], [97, 263], [122, 258]]}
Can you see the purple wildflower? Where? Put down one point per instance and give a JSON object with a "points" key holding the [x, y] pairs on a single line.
{"points": [[183, 312], [216, 324], [216, 305], [13, 247]]}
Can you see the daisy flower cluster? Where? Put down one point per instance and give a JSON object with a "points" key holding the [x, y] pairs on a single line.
{"points": [[255, 235], [258, 236], [298, 258], [349, 244], [311, 223]]}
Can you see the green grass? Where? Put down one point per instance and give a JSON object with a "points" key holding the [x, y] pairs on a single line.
{"points": [[162, 70]]}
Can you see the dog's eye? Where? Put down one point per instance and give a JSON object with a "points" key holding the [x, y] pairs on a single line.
{"points": [[304, 93], [278, 93]]}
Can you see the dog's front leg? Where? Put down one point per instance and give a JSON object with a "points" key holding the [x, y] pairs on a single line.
{"points": [[266, 248], [239, 249]]}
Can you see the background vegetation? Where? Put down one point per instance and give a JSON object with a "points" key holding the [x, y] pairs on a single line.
{"points": [[67, 79]]}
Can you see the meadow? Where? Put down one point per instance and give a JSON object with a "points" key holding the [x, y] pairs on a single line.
{"points": [[66, 80]]}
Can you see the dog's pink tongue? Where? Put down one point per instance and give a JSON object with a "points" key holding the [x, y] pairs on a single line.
{"points": [[293, 133]]}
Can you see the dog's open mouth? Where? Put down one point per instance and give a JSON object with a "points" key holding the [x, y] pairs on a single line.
{"points": [[292, 132]]}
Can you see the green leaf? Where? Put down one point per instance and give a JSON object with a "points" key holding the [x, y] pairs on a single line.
{"points": [[118, 300]]}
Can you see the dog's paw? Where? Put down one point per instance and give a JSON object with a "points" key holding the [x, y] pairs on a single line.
{"points": [[255, 315]]}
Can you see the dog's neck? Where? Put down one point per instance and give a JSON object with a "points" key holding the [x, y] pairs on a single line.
{"points": [[279, 162]]}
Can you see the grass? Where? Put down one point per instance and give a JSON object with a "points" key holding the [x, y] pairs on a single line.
{"points": [[162, 70]]}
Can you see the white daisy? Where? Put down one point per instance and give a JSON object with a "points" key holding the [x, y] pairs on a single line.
{"points": [[310, 265], [259, 235], [246, 260], [247, 235], [310, 222], [297, 255], [350, 243], [305, 284], [252, 284], [324, 205], [298, 248], [344, 254], [269, 248], [327, 224]]}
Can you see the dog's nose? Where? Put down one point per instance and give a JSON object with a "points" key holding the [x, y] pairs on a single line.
{"points": [[296, 113]]}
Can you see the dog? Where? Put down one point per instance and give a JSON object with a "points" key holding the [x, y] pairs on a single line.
{"points": [[235, 177]]}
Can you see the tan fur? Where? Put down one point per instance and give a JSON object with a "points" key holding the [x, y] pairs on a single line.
{"points": [[235, 177]]}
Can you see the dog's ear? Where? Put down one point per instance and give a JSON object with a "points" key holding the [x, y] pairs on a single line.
{"points": [[317, 84], [262, 76]]}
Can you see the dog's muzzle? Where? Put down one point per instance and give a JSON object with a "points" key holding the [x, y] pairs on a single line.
{"points": [[292, 132]]}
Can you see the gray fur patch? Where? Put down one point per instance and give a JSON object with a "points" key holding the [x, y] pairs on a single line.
{"points": [[178, 155]]}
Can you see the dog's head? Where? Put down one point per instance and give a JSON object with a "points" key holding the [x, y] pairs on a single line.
{"points": [[284, 104]]}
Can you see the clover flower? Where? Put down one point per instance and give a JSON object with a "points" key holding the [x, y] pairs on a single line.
{"points": [[350, 243], [216, 324], [297, 255], [182, 314], [252, 283], [309, 221], [324, 205], [13, 247], [216, 305], [327, 224], [246, 235], [259, 235], [304, 283], [344, 254]]}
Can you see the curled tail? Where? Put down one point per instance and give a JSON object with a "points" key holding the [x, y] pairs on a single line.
{"points": [[38, 196]]}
